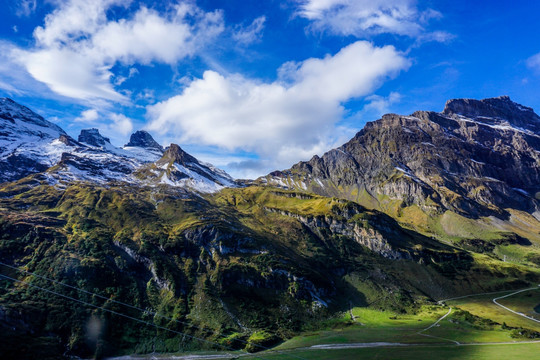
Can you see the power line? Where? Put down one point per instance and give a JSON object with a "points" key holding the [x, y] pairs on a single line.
{"points": [[142, 310], [125, 316], [139, 309]]}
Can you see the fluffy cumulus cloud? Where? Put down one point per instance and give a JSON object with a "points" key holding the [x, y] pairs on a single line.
{"points": [[366, 17], [120, 124], [289, 119], [79, 44]]}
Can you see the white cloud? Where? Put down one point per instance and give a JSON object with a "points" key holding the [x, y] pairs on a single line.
{"points": [[119, 79], [281, 121], [121, 124], [88, 116], [132, 72], [70, 73], [366, 17], [15, 79], [533, 63], [381, 105], [251, 33], [78, 45]]}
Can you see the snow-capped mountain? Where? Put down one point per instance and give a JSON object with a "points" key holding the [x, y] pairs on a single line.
{"points": [[30, 144], [178, 168]]}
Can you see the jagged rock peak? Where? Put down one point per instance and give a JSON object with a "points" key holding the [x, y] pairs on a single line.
{"points": [[93, 137], [501, 107], [175, 154], [143, 139]]}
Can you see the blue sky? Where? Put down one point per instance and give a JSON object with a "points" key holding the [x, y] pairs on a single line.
{"points": [[251, 85]]}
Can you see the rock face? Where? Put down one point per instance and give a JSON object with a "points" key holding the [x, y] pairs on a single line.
{"points": [[175, 154], [93, 137], [144, 140], [475, 158]]}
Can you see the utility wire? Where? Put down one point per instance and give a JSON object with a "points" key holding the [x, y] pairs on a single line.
{"points": [[137, 308], [124, 315], [142, 310]]}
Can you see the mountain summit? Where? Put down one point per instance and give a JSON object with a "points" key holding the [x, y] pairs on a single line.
{"points": [[176, 167], [93, 137], [143, 139], [476, 158], [500, 110]]}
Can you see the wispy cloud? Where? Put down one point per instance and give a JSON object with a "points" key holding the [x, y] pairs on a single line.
{"points": [[380, 105], [25, 7], [113, 125], [533, 63], [250, 34], [362, 18]]}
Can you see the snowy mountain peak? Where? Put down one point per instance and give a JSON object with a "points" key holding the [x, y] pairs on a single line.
{"points": [[26, 120], [143, 139], [93, 137], [178, 168]]}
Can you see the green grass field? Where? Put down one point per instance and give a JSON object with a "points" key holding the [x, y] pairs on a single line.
{"points": [[371, 326], [484, 307], [475, 322]]}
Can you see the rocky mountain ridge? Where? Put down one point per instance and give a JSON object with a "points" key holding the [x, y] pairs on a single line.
{"points": [[476, 158]]}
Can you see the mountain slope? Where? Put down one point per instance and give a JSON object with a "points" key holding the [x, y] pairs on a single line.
{"points": [[237, 263], [469, 176]]}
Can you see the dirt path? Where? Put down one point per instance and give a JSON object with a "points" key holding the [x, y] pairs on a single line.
{"points": [[421, 332], [389, 344], [512, 311]]}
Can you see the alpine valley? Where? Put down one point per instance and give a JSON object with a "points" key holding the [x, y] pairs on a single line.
{"points": [[108, 251]]}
